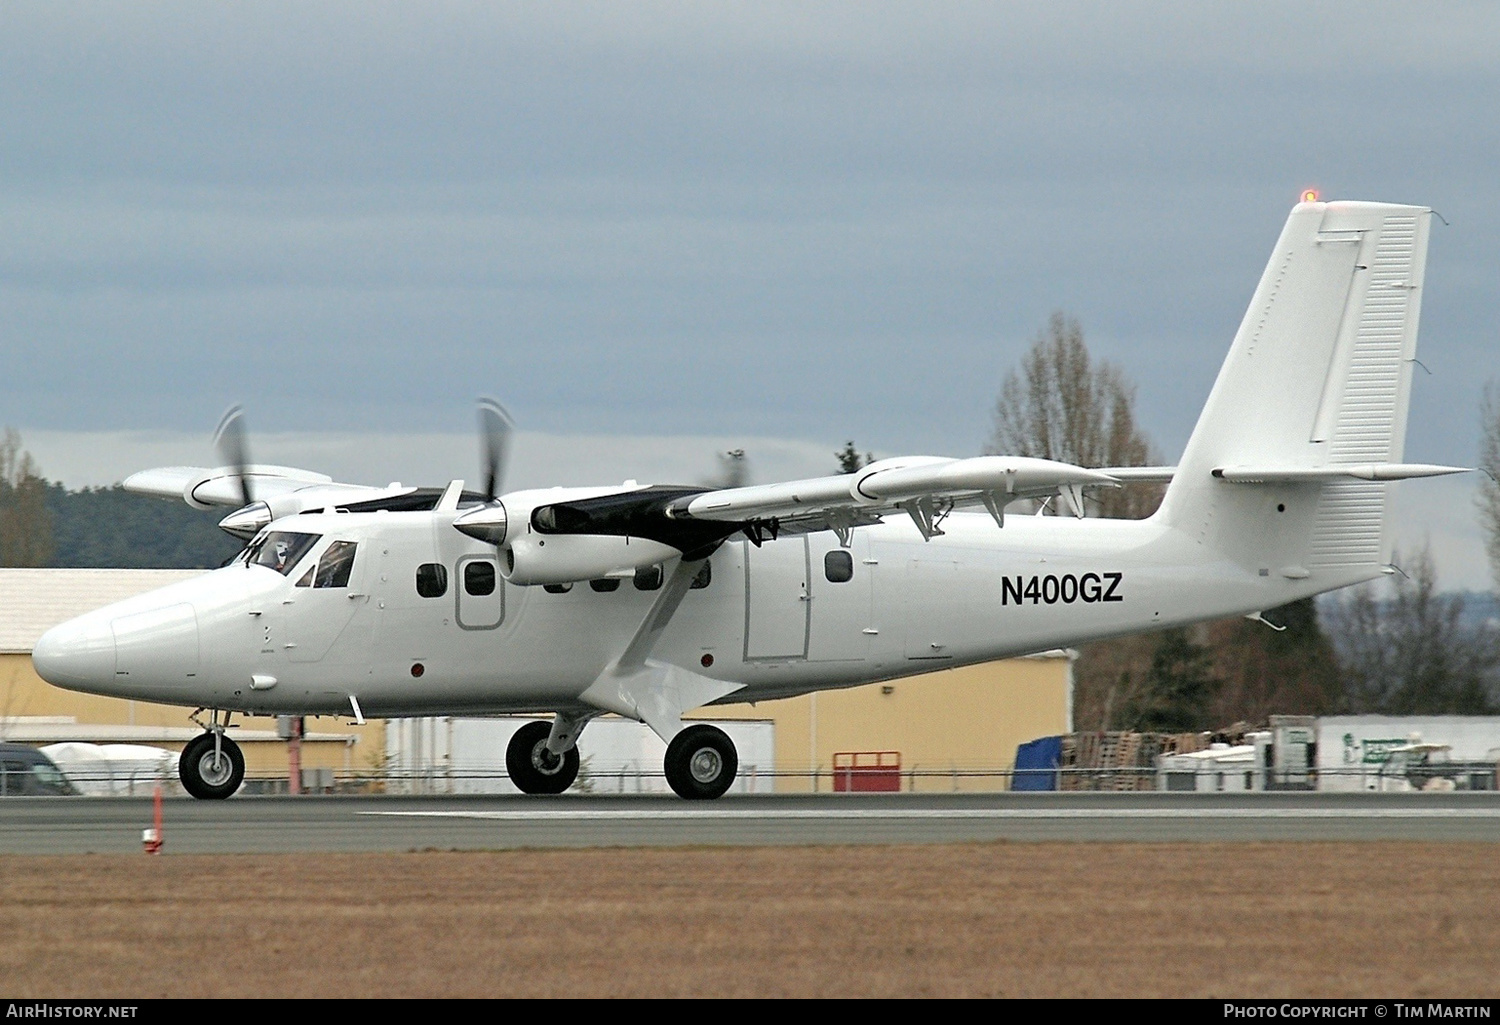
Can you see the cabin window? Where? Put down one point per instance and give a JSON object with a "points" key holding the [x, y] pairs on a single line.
{"points": [[838, 566], [648, 578], [336, 565], [705, 575], [281, 550], [605, 585], [557, 588], [479, 578], [432, 580]]}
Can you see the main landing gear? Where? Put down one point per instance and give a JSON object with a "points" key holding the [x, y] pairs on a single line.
{"points": [[211, 766], [701, 763], [701, 760]]}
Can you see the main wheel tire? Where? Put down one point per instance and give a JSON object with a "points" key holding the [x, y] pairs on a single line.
{"points": [[533, 768], [203, 776], [701, 763]]}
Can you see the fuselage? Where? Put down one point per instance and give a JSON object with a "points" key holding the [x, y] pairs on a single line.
{"points": [[421, 621]]}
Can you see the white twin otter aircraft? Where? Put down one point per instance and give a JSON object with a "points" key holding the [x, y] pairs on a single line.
{"points": [[652, 601]]}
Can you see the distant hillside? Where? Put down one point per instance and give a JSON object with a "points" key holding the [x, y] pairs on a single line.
{"points": [[1481, 608], [110, 527]]}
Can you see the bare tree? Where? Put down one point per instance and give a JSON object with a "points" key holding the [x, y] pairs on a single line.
{"points": [[1064, 405], [25, 521], [1489, 462], [1413, 653]]}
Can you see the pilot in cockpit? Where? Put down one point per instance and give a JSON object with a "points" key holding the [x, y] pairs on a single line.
{"points": [[283, 549]]}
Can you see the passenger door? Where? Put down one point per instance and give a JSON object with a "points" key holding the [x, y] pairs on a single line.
{"points": [[480, 593], [841, 582]]}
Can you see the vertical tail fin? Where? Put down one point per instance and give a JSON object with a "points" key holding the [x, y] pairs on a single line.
{"points": [[1319, 376]]}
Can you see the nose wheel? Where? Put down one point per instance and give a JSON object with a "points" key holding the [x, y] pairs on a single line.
{"points": [[701, 763], [211, 767], [534, 769]]}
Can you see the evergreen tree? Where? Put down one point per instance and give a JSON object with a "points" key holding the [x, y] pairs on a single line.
{"points": [[1175, 695], [111, 527], [850, 459]]}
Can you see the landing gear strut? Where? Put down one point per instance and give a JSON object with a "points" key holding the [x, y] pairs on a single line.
{"points": [[533, 768], [212, 767], [701, 763]]}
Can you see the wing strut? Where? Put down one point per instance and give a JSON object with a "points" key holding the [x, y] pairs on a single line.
{"points": [[656, 693]]}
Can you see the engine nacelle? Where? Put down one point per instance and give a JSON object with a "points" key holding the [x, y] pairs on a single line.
{"points": [[535, 558]]}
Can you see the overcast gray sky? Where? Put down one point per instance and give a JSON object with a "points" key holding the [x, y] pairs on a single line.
{"points": [[805, 221]]}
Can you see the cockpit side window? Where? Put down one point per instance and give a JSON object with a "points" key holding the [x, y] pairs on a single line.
{"points": [[336, 565], [281, 550]]}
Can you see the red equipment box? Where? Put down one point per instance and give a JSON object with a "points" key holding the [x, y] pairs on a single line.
{"points": [[866, 772]]}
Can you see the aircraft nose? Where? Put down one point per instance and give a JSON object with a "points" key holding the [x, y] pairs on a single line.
{"points": [[79, 654]]}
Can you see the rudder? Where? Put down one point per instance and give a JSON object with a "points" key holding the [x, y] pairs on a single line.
{"points": [[1318, 377]]}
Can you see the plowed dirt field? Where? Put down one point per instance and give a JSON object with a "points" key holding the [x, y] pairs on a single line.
{"points": [[1249, 920]]}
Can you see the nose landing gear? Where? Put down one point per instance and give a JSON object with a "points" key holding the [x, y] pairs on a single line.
{"points": [[533, 768], [212, 766]]}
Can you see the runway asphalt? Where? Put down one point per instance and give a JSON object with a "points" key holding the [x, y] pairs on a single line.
{"points": [[254, 825]]}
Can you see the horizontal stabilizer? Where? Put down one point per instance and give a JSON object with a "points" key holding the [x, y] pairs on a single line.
{"points": [[1366, 471]]}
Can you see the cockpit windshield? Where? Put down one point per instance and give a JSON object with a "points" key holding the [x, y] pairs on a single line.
{"points": [[280, 550]]}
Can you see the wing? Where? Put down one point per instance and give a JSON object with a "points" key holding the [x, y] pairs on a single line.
{"points": [[924, 487], [1140, 474], [697, 520], [277, 491], [204, 487]]}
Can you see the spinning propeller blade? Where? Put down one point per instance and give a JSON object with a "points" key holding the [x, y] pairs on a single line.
{"points": [[495, 429], [229, 439]]}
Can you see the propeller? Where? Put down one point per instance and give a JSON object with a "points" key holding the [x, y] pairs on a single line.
{"points": [[495, 429], [229, 439], [246, 521], [490, 521]]}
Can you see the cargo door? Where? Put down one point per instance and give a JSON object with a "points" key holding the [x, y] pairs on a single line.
{"points": [[776, 599], [932, 601]]}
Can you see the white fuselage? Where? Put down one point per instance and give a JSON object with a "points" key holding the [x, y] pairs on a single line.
{"points": [[247, 638]]}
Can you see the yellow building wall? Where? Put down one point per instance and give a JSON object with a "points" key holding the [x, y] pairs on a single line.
{"points": [[24, 694], [953, 728]]}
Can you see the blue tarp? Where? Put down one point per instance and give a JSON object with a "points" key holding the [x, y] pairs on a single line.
{"points": [[1036, 764]]}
